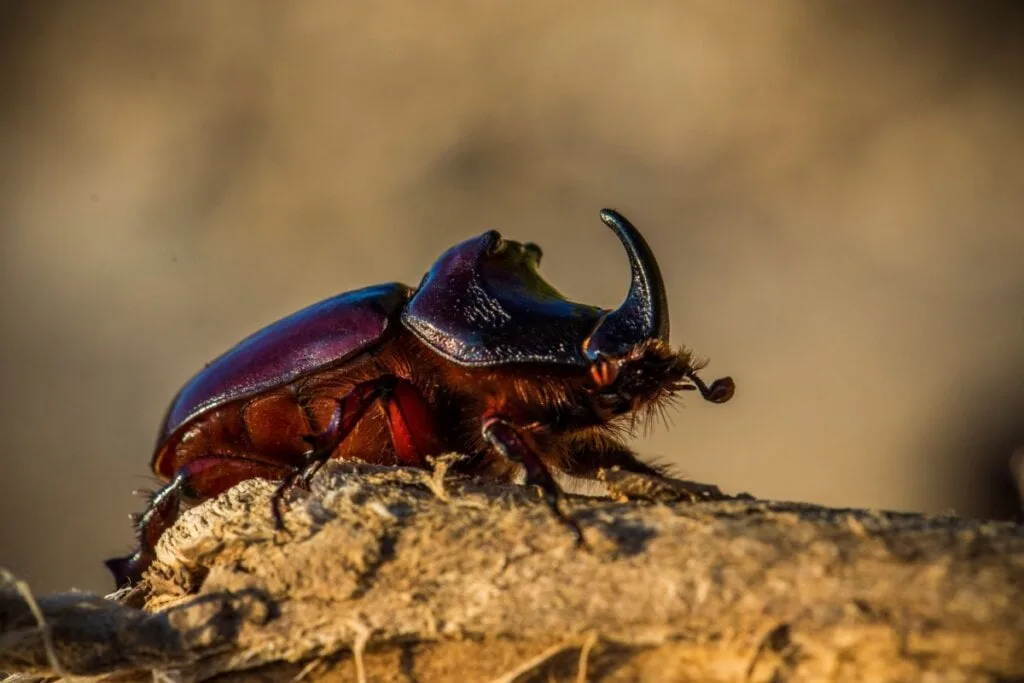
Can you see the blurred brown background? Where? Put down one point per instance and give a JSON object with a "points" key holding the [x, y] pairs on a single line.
{"points": [[835, 192]]}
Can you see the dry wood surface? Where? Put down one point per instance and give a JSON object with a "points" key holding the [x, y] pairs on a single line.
{"points": [[402, 575]]}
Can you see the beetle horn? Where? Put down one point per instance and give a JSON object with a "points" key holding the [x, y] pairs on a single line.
{"points": [[644, 313]]}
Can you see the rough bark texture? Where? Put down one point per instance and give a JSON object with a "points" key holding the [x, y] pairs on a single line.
{"points": [[395, 575]]}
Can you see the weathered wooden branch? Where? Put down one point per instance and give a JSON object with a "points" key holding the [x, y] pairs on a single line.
{"points": [[397, 575]]}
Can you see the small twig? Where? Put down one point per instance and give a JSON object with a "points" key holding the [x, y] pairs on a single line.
{"points": [[763, 644], [435, 479], [44, 629], [581, 668], [531, 664], [308, 669], [363, 633]]}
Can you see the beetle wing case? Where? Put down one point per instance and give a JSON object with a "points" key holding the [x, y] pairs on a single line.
{"points": [[314, 338], [484, 303]]}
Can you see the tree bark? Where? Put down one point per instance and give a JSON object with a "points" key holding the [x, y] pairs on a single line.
{"points": [[387, 574]]}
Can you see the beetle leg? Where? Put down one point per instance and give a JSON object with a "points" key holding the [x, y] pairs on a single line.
{"points": [[409, 420], [197, 480], [586, 461], [511, 442], [348, 411], [411, 423]]}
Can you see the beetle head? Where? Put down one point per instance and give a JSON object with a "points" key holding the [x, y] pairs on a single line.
{"points": [[631, 361], [484, 303]]}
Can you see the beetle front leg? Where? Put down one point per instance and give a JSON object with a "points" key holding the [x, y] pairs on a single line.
{"points": [[511, 442], [348, 411], [198, 480], [585, 462]]}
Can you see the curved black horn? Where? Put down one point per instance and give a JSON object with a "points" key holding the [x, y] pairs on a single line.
{"points": [[644, 313]]}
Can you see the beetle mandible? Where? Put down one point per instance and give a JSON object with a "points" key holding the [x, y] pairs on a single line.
{"points": [[483, 358]]}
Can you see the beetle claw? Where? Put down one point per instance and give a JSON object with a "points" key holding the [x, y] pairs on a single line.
{"points": [[306, 477], [553, 500], [300, 477], [507, 439], [277, 502]]}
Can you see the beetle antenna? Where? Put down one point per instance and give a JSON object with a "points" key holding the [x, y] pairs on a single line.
{"points": [[720, 391]]}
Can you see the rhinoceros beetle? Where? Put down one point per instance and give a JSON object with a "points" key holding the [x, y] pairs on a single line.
{"points": [[483, 358]]}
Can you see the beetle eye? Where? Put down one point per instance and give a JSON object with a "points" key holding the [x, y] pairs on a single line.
{"points": [[604, 372]]}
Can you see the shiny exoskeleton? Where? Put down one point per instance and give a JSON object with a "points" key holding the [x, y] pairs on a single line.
{"points": [[484, 358]]}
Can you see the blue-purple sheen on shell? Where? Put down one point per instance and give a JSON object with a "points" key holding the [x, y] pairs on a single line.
{"points": [[304, 342], [482, 309]]}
